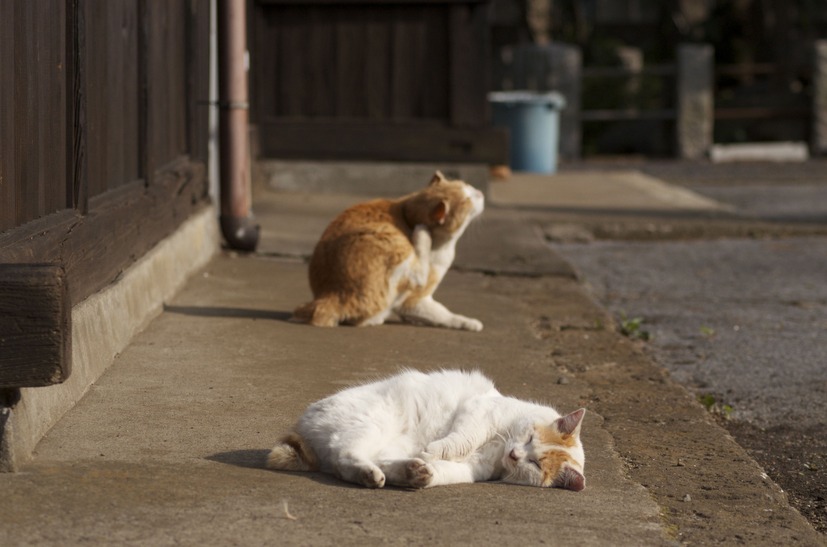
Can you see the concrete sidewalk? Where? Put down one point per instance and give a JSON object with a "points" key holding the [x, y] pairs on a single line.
{"points": [[168, 446]]}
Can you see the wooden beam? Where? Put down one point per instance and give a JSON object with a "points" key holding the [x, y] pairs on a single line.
{"points": [[35, 325], [362, 2], [762, 113], [415, 141], [121, 226], [627, 114]]}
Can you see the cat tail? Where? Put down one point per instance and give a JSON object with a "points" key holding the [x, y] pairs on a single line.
{"points": [[292, 454], [322, 312]]}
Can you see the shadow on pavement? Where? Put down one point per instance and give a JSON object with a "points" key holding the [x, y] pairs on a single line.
{"points": [[256, 458], [217, 311]]}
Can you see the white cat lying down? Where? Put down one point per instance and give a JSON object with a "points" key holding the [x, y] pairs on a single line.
{"points": [[421, 430]]}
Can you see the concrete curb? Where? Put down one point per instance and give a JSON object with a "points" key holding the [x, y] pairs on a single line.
{"points": [[389, 179], [104, 324], [620, 190]]}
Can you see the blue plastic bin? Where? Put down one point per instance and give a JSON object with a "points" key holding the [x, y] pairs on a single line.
{"points": [[533, 121]]}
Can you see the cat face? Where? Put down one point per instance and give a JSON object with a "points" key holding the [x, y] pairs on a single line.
{"points": [[445, 206], [546, 455]]}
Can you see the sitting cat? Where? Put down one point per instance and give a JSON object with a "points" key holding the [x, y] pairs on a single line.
{"points": [[388, 256], [420, 430]]}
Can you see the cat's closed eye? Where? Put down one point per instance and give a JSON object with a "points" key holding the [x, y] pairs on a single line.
{"points": [[536, 463]]}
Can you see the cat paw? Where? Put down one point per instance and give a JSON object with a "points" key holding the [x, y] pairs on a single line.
{"points": [[471, 324], [372, 478], [418, 474], [421, 238]]}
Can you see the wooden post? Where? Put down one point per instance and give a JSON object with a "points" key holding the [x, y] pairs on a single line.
{"points": [[819, 143], [695, 101], [35, 326]]}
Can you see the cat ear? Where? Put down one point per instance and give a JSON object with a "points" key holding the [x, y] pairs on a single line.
{"points": [[438, 177], [439, 212], [570, 423], [570, 479]]}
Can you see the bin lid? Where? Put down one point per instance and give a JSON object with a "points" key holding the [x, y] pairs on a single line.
{"points": [[549, 98]]}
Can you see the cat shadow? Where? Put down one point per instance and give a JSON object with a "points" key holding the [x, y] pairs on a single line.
{"points": [[250, 459], [257, 459], [272, 315], [219, 311]]}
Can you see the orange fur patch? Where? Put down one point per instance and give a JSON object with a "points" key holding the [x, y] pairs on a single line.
{"points": [[353, 263], [418, 293], [304, 452], [551, 464], [550, 435]]}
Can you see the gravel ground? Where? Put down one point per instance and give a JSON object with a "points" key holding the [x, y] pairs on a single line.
{"points": [[742, 323], [739, 321]]}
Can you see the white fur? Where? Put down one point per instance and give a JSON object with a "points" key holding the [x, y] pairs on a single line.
{"points": [[423, 430], [421, 266], [414, 268], [438, 260]]}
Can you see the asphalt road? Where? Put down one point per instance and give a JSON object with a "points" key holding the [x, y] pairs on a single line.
{"points": [[741, 322]]}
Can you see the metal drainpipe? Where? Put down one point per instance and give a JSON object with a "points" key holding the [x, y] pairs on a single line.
{"points": [[237, 222]]}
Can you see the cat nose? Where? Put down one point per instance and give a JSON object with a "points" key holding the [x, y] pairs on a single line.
{"points": [[513, 455]]}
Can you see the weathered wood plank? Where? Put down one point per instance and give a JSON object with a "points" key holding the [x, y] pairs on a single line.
{"points": [[39, 107], [318, 83], [435, 70], [198, 78], [8, 214], [377, 65], [468, 53], [166, 75], [52, 111], [361, 2], [352, 60], [77, 187], [100, 91], [360, 72], [135, 219], [407, 37], [35, 325], [291, 58], [121, 226], [264, 40], [111, 71], [336, 139]]}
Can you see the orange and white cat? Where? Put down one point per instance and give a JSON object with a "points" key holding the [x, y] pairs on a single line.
{"points": [[421, 430], [389, 256]]}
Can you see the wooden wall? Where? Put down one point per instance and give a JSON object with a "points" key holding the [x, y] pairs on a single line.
{"points": [[103, 137], [374, 63], [372, 80], [33, 141], [112, 84]]}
